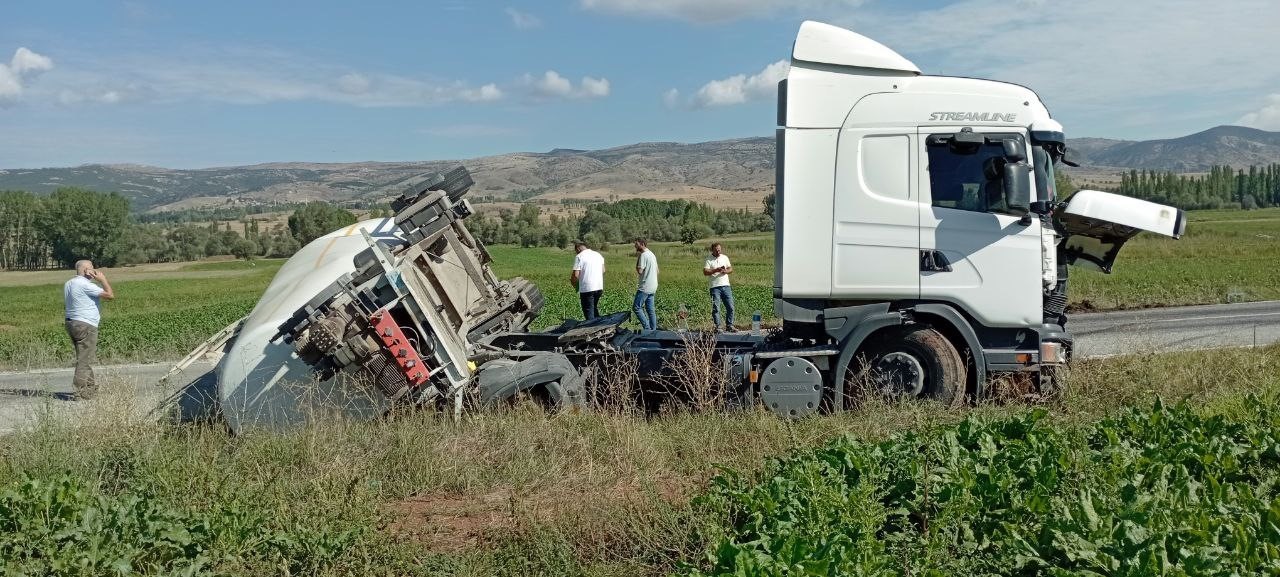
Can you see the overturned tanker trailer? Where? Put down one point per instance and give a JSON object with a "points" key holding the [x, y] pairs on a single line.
{"points": [[399, 311]]}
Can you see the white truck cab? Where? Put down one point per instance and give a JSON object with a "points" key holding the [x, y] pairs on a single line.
{"points": [[942, 217]]}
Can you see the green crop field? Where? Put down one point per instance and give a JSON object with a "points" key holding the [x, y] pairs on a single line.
{"points": [[163, 311], [1093, 486], [157, 315], [680, 279]]}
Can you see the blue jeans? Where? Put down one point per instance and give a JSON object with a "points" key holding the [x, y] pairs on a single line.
{"points": [[645, 313], [722, 294]]}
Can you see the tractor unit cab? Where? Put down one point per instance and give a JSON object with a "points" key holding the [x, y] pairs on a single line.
{"points": [[943, 214]]}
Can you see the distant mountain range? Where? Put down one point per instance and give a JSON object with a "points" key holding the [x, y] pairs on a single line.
{"points": [[1224, 145], [738, 172]]}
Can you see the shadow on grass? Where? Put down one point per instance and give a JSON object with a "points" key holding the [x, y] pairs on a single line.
{"points": [[57, 396]]}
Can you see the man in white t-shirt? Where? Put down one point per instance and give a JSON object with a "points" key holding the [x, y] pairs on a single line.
{"points": [[718, 268], [83, 301], [588, 276]]}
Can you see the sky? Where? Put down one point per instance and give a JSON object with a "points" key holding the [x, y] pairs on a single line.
{"points": [[202, 84]]}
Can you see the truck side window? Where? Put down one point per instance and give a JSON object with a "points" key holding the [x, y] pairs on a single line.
{"points": [[968, 179]]}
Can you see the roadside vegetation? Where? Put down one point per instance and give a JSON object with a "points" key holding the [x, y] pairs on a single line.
{"points": [[1176, 454]]}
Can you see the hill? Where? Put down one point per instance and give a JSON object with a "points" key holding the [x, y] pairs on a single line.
{"points": [[1223, 145], [728, 173]]}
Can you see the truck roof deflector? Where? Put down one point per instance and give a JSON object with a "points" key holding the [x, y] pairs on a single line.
{"points": [[827, 44]]}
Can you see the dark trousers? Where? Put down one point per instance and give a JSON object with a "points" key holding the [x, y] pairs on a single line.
{"points": [[590, 304], [84, 337]]}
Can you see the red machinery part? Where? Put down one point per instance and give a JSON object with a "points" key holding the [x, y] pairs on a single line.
{"points": [[395, 343]]}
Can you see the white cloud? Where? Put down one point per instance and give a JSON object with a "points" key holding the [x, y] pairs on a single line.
{"points": [[487, 93], [595, 87], [1105, 68], [25, 62], [353, 83], [245, 76], [523, 20], [671, 98], [551, 85], [95, 95], [24, 66], [741, 88], [1265, 118], [711, 11]]}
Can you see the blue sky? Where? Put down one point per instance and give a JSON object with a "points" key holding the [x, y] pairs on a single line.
{"points": [[198, 84]]}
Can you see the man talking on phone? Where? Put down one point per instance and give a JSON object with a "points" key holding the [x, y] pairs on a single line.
{"points": [[84, 311]]}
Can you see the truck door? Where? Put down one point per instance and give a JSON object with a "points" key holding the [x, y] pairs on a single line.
{"points": [[978, 247], [875, 216]]}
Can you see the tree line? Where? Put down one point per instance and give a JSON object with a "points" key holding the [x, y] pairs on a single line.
{"points": [[1222, 187], [604, 223], [74, 223]]}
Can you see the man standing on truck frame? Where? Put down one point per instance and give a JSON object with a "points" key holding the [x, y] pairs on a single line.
{"points": [[718, 268], [647, 272], [83, 304], [588, 276]]}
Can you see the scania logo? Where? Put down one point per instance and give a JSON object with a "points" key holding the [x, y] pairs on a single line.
{"points": [[975, 116]]}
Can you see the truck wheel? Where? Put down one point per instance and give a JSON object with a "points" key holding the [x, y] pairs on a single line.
{"points": [[917, 362], [550, 380]]}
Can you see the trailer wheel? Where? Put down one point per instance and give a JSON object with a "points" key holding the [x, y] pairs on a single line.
{"points": [[916, 362]]}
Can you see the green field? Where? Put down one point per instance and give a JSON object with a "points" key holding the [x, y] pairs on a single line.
{"points": [[1225, 255], [161, 314], [680, 279], [158, 315], [892, 489]]}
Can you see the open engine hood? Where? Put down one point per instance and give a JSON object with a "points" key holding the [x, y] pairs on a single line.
{"points": [[1095, 224]]}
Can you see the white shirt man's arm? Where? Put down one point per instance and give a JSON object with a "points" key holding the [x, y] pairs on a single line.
{"points": [[106, 293]]}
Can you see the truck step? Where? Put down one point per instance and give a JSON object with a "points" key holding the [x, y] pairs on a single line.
{"points": [[801, 352]]}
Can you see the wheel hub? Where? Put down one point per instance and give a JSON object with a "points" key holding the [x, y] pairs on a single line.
{"points": [[900, 374]]}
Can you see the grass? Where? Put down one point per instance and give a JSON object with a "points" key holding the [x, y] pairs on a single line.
{"points": [[156, 318], [165, 310], [510, 493]]}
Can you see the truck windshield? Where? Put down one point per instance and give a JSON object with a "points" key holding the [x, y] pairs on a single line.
{"points": [[1043, 168]]}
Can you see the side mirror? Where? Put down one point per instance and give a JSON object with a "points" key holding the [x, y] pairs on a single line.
{"points": [[1017, 186], [1013, 150]]}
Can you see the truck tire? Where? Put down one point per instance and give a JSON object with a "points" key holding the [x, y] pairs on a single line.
{"points": [[549, 379], [916, 361]]}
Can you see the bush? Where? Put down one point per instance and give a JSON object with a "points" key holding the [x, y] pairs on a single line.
{"points": [[692, 233]]}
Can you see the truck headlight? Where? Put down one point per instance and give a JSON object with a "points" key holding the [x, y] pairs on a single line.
{"points": [[1052, 353]]}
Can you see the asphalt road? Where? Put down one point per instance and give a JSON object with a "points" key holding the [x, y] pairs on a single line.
{"points": [[135, 392]]}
